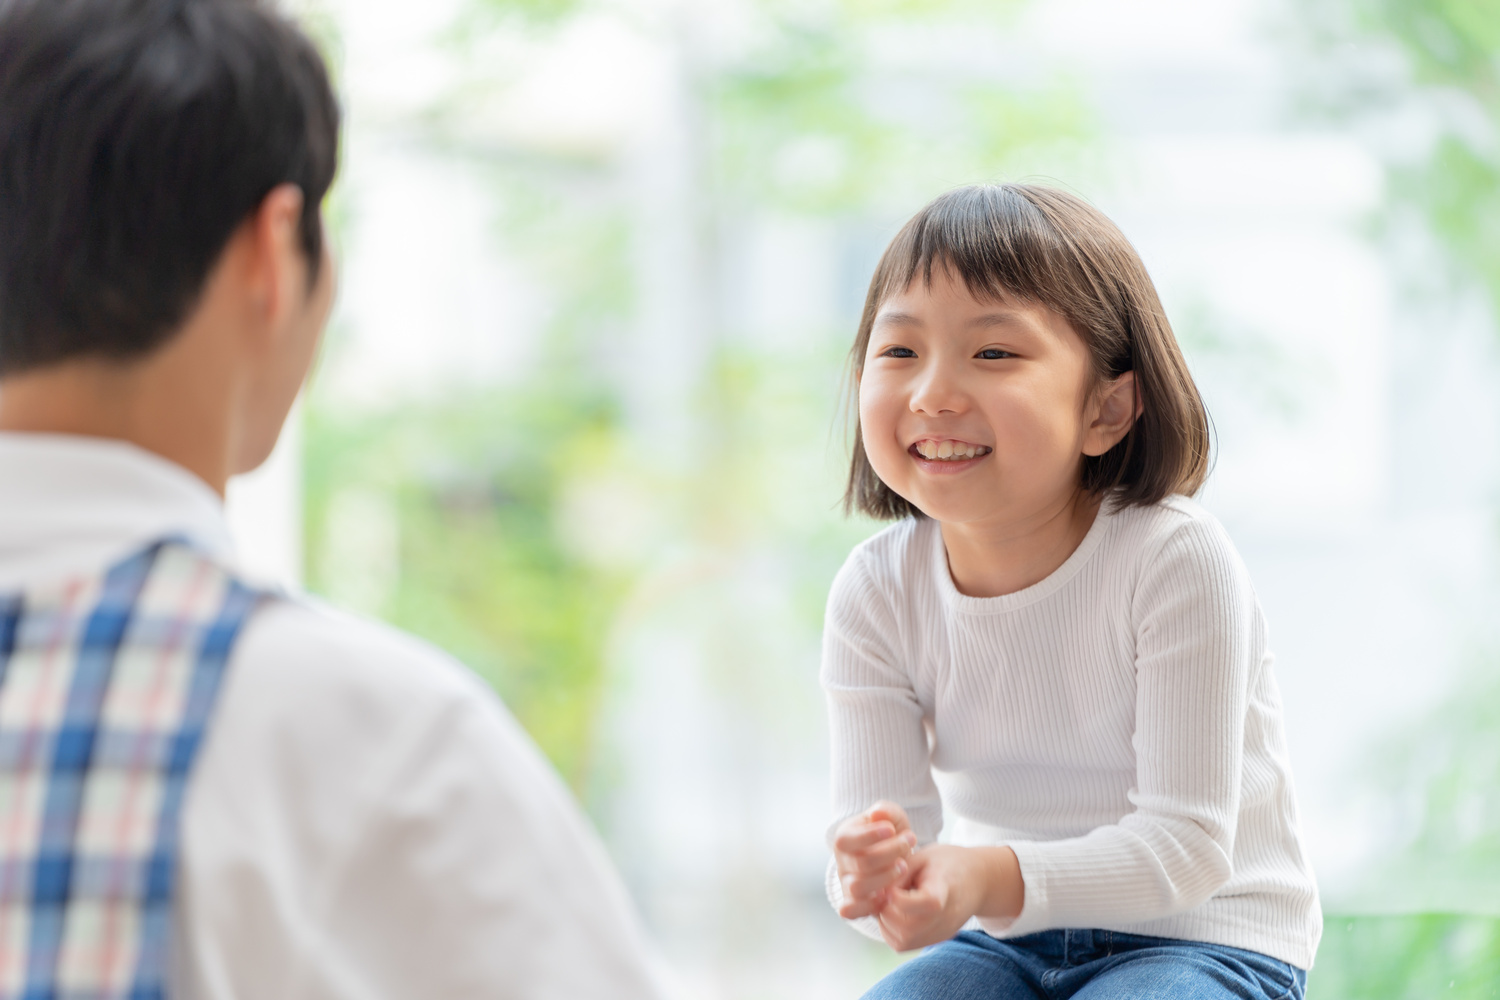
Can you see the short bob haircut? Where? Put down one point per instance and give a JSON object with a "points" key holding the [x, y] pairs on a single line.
{"points": [[1046, 246]]}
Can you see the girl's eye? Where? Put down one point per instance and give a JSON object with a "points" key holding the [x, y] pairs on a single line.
{"points": [[993, 354], [898, 352]]}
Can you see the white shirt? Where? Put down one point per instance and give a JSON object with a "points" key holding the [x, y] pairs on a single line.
{"points": [[365, 819], [1117, 725]]}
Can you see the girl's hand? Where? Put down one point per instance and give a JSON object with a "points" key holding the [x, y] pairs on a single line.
{"points": [[871, 851], [947, 886]]}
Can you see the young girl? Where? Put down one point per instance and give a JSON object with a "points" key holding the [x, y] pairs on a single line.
{"points": [[1055, 657]]}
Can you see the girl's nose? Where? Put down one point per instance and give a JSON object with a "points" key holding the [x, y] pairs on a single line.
{"points": [[937, 393]]}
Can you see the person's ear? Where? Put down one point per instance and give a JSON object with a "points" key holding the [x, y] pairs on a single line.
{"points": [[279, 265], [1116, 406]]}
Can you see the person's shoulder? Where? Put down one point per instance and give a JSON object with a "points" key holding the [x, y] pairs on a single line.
{"points": [[332, 649], [1150, 529], [321, 703], [332, 686], [888, 562], [898, 547], [1178, 538], [1166, 515]]}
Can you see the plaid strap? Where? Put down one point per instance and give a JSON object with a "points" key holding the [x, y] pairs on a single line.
{"points": [[107, 687]]}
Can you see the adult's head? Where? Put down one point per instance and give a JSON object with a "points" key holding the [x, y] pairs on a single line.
{"points": [[162, 169]]}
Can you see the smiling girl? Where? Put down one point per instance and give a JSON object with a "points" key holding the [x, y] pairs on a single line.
{"points": [[1055, 657]]}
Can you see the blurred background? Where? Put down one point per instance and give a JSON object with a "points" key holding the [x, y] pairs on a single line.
{"points": [[579, 418]]}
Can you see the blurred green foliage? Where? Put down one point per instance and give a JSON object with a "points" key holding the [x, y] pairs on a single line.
{"points": [[1451, 51], [1422, 957], [472, 480], [474, 477], [811, 121], [1455, 45], [491, 15], [1450, 43], [1445, 770]]}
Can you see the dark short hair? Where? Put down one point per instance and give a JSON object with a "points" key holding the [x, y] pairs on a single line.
{"points": [[1042, 245], [135, 137]]}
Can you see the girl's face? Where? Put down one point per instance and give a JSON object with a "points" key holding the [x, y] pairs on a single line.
{"points": [[980, 411]]}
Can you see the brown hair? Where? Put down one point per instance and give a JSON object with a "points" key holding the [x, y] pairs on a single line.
{"points": [[1046, 246]]}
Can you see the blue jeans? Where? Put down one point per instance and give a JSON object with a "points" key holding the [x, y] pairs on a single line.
{"points": [[1088, 965]]}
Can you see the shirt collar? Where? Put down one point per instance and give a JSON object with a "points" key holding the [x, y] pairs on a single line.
{"points": [[71, 504]]}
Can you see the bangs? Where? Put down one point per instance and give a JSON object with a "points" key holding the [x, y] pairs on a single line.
{"points": [[992, 238]]}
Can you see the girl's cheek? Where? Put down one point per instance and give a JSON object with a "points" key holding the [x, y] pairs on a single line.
{"points": [[879, 441], [877, 420], [875, 411]]}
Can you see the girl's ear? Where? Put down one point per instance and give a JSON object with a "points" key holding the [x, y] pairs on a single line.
{"points": [[1115, 407]]}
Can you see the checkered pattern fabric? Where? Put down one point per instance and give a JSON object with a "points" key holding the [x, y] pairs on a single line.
{"points": [[107, 685]]}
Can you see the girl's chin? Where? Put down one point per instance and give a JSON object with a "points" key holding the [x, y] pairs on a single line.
{"points": [[952, 506]]}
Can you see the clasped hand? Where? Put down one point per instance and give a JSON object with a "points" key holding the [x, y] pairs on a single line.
{"points": [[925, 895]]}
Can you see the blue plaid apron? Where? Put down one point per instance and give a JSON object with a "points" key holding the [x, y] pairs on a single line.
{"points": [[107, 685]]}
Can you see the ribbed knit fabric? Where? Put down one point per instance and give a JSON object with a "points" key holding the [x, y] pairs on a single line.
{"points": [[1117, 725]]}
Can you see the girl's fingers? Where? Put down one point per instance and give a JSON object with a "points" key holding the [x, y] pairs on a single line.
{"points": [[863, 887], [887, 810], [870, 906], [880, 856], [853, 909], [855, 837], [906, 920], [912, 906]]}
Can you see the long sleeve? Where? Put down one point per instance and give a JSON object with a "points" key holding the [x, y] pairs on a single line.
{"points": [[1198, 640], [875, 719]]}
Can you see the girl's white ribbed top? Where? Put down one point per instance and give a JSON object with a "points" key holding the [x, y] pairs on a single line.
{"points": [[1117, 725]]}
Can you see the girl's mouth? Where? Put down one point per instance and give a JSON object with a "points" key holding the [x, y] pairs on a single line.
{"points": [[948, 450]]}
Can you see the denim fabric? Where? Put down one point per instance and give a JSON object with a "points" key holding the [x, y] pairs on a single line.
{"points": [[1088, 965]]}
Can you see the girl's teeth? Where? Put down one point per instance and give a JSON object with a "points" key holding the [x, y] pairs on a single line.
{"points": [[948, 451]]}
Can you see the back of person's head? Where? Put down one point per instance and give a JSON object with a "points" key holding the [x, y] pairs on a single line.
{"points": [[135, 137], [1045, 246]]}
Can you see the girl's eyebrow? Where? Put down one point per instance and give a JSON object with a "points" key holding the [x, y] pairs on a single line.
{"points": [[993, 319], [1003, 318]]}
